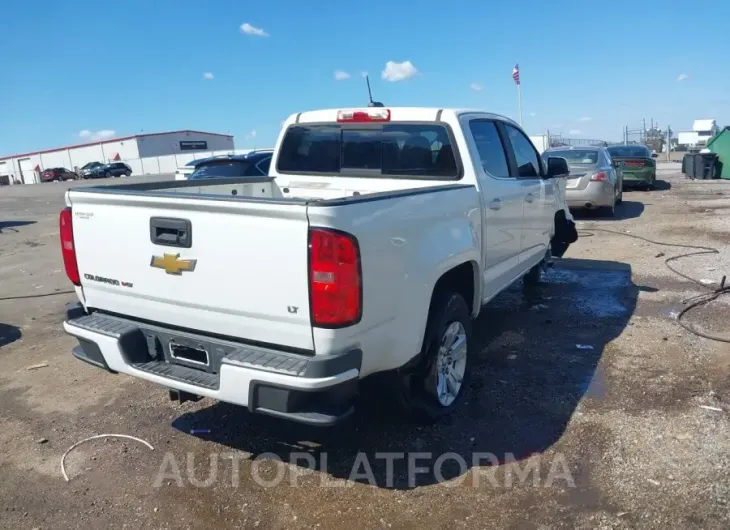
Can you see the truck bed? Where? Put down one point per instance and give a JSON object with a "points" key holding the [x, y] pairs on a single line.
{"points": [[268, 189]]}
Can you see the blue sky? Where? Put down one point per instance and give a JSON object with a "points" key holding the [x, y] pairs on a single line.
{"points": [[80, 69]]}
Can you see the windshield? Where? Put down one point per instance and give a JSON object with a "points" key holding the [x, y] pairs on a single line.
{"points": [[422, 150], [629, 151], [576, 156], [225, 168], [91, 164]]}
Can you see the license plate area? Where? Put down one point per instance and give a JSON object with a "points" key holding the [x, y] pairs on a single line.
{"points": [[186, 354]]}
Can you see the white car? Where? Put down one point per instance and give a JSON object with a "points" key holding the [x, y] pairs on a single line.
{"points": [[377, 237]]}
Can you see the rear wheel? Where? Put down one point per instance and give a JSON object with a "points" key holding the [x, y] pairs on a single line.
{"points": [[435, 386], [652, 182], [620, 197]]}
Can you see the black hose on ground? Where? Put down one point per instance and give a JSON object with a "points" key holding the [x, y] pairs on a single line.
{"points": [[41, 295], [693, 302]]}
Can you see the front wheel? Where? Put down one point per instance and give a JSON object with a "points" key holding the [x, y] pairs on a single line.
{"points": [[435, 386]]}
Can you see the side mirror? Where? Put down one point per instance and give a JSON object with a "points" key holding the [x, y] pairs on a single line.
{"points": [[557, 167], [617, 164], [655, 155]]}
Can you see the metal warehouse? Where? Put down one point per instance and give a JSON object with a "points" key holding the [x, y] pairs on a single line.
{"points": [[144, 153]]}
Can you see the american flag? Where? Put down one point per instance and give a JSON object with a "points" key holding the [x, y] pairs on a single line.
{"points": [[516, 74]]}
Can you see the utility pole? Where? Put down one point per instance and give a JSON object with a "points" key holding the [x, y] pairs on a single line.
{"points": [[669, 143], [643, 137]]}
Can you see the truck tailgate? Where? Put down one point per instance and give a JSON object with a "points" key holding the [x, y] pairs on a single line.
{"points": [[243, 275]]}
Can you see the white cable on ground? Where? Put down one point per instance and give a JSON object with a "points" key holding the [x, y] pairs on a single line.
{"points": [[74, 446]]}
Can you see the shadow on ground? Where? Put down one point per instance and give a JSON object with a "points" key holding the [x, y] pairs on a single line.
{"points": [[538, 350], [11, 225], [625, 210], [9, 334], [659, 185]]}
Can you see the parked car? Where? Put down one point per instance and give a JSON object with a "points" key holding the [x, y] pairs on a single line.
{"points": [[113, 169], [253, 164], [376, 239], [57, 174], [256, 164], [595, 180], [87, 170], [638, 165]]}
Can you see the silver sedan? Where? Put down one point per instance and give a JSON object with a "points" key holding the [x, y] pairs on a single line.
{"points": [[595, 181]]}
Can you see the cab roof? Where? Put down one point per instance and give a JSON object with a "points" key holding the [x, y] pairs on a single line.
{"points": [[396, 114]]}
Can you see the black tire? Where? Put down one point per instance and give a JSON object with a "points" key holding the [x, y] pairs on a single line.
{"points": [[415, 399], [108, 175], [127, 174], [620, 197], [652, 184]]}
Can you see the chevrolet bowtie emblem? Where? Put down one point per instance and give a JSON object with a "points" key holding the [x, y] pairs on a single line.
{"points": [[172, 264]]}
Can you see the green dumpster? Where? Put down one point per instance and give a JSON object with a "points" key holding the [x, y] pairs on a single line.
{"points": [[720, 145]]}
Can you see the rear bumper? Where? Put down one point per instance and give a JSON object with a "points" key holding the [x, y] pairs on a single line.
{"points": [[596, 194], [643, 177], [318, 390]]}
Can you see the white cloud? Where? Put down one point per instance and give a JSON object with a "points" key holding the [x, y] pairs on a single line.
{"points": [[557, 126], [102, 134], [251, 135], [574, 132], [476, 87], [682, 77], [399, 71], [340, 75], [248, 29], [208, 75], [533, 114], [585, 118]]}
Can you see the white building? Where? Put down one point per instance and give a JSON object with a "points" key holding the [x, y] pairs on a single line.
{"points": [[145, 153], [702, 131]]}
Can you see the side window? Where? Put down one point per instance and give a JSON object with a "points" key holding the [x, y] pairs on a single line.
{"points": [[528, 162], [490, 147]]}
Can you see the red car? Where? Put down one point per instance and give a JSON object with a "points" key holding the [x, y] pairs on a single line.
{"points": [[58, 174]]}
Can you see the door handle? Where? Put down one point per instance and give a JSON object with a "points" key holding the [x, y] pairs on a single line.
{"points": [[496, 204], [529, 197], [171, 232]]}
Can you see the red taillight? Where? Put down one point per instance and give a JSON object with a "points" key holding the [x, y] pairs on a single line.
{"points": [[601, 176], [360, 116], [335, 283], [67, 246]]}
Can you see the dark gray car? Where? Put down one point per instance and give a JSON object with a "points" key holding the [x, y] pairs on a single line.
{"points": [[595, 181]]}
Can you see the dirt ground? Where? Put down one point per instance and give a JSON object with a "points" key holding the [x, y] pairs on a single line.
{"points": [[587, 410]]}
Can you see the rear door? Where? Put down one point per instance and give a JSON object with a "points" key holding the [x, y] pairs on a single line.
{"points": [[502, 205], [231, 268]]}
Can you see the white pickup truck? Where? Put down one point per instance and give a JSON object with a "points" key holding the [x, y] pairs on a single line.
{"points": [[370, 247]]}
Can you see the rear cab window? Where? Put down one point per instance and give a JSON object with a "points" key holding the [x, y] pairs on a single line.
{"points": [[392, 150]]}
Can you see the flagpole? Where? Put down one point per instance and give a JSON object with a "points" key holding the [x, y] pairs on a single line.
{"points": [[519, 100]]}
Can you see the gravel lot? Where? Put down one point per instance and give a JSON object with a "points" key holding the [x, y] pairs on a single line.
{"points": [[608, 434]]}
